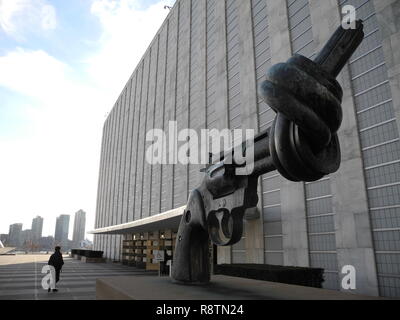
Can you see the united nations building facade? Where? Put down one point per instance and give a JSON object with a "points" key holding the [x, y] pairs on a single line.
{"points": [[203, 70]]}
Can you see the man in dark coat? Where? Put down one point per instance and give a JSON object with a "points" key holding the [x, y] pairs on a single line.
{"points": [[56, 260]]}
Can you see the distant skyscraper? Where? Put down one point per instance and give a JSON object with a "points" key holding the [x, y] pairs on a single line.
{"points": [[79, 227], [37, 227], [14, 235], [62, 228], [26, 237]]}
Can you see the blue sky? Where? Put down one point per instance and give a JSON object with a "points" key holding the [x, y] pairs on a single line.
{"points": [[62, 66]]}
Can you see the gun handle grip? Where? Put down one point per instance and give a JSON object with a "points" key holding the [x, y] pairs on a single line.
{"points": [[191, 257]]}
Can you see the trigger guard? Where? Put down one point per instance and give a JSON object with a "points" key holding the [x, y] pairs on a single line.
{"points": [[230, 226], [224, 224], [215, 226]]}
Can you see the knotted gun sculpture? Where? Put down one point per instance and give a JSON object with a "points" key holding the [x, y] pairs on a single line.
{"points": [[301, 144]]}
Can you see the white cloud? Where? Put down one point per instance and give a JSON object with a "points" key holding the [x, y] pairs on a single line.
{"points": [[127, 33], [49, 21], [32, 73], [54, 170], [21, 17]]}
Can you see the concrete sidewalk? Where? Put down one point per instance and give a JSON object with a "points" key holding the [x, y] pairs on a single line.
{"points": [[21, 277], [220, 288]]}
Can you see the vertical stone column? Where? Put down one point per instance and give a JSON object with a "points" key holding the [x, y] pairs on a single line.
{"points": [[99, 188], [224, 253], [254, 243], [294, 225], [353, 230], [121, 167], [388, 15], [170, 102], [104, 183], [116, 176], [202, 79], [279, 31], [203, 66], [107, 215], [221, 82]]}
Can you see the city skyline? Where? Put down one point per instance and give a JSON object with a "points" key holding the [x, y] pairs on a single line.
{"points": [[64, 88], [71, 225]]}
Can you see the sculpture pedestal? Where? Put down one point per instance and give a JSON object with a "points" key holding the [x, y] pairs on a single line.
{"points": [[220, 288]]}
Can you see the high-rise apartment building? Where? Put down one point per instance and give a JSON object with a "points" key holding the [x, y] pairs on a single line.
{"points": [[37, 227], [15, 235], [62, 229], [79, 228]]}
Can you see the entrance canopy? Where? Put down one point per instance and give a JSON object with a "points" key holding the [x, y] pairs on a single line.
{"points": [[167, 220]]}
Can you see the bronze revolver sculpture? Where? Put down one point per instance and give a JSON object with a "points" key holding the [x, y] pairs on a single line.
{"points": [[302, 145]]}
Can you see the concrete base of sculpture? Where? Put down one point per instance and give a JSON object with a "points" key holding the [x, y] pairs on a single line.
{"points": [[221, 288]]}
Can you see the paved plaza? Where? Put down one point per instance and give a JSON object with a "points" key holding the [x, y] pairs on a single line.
{"points": [[21, 277]]}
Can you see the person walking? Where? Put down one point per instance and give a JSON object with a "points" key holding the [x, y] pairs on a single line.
{"points": [[56, 260]]}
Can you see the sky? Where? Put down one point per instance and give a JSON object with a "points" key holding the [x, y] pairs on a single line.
{"points": [[63, 65]]}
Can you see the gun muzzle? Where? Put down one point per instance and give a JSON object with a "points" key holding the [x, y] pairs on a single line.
{"points": [[303, 142]]}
